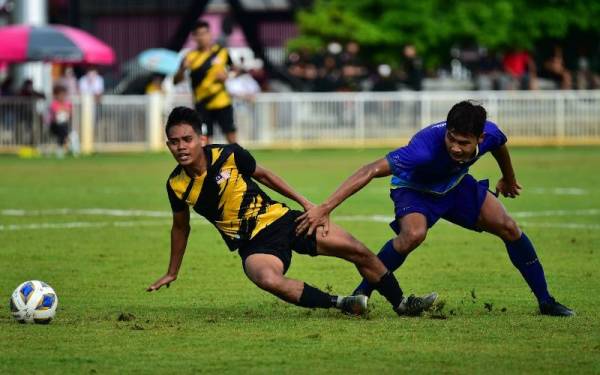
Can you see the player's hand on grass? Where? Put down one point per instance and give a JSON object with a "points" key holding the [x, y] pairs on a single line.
{"points": [[165, 280], [508, 188], [313, 218]]}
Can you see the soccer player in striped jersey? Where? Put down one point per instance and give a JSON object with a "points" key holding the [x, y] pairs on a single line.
{"points": [[218, 182], [208, 65], [430, 180]]}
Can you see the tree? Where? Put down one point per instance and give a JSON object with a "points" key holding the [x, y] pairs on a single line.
{"points": [[382, 27]]}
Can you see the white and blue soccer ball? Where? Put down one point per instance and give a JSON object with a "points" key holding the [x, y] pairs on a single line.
{"points": [[33, 302]]}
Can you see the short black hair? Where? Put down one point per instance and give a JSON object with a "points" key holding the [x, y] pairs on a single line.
{"points": [[184, 115], [59, 89], [467, 117], [200, 24]]}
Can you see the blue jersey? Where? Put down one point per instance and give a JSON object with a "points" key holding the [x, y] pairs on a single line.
{"points": [[425, 165]]}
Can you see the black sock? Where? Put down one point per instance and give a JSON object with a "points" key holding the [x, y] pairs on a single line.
{"points": [[389, 288], [313, 297]]}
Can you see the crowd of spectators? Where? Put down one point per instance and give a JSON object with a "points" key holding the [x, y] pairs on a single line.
{"points": [[341, 68]]}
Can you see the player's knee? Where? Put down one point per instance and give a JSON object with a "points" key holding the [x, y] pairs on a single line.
{"points": [[510, 230], [414, 237], [269, 281]]}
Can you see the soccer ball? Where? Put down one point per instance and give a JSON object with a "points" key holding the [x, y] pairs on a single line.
{"points": [[33, 302]]}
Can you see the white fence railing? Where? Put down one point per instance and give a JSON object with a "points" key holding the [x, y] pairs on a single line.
{"points": [[312, 119]]}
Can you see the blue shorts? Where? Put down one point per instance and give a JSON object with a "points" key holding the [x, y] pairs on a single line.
{"points": [[461, 205]]}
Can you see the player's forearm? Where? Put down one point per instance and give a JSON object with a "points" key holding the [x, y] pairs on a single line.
{"points": [[178, 77], [274, 182], [503, 159], [179, 237], [354, 183]]}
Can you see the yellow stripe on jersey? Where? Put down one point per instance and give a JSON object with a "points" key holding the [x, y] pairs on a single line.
{"points": [[206, 87], [274, 212], [215, 153], [192, 198], [179, 184]]}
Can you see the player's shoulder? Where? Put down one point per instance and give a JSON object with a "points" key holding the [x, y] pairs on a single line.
{"points": [[430, 135], [493, 130], [220, 153], [218, 48], [490, 125], [176, 172]]}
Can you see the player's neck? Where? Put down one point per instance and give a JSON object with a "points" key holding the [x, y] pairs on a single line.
{"points": [[198, 167], [205, 48]]}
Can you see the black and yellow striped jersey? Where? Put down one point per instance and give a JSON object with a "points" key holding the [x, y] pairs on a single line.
{"points": [[204, 66], [226, 195]]}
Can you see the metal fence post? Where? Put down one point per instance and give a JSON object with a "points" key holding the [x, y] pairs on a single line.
{"points": [[154, 107], [425, 110], [88, 119], [560, 118], [359, 108]]}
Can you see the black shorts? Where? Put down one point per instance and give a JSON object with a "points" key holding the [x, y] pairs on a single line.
{"points": [[60, 131], [280, 239], [222, 116]]}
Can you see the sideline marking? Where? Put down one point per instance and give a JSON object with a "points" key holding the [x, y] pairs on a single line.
{"points": [[164, 214]]}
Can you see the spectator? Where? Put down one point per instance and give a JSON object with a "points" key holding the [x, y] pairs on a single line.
{"points": [[155, 84], [488, 71], [329, 76], [554, 69], [32, 111], [6, 89], [353, 69], [520, 69], [27, 90], [384, 80], [242, 86], [61, 109], [68, 80], [412, 68], [586, 77], [92, 83]]}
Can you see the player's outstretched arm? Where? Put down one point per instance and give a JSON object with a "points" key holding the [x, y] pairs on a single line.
{"points": [[274, 182], [508, 185], [319, 215], [180, 232], [178, 77]]}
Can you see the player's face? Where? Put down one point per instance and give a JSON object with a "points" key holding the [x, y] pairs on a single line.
{"points": [[461, 147], [202, 37], [184, 144]]}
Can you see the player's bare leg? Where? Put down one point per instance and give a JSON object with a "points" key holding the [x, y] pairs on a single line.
{"points": [[413, 230], [341, 244], [494, 219], [266, 271]]}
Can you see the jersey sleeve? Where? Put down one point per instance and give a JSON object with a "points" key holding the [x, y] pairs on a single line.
{"points": [[494, 137], [245, 162], [177, 205], [408, 157]]}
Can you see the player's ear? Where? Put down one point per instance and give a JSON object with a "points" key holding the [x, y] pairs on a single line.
{"points": [[481, 137], [203, 140]]}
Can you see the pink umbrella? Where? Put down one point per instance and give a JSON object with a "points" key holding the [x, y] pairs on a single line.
{"points": [[56, 43]]}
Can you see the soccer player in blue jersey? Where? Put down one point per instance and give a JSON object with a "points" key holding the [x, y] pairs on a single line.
{"points": [[431, 180]]}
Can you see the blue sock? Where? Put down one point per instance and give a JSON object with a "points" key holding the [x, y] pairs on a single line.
{"points": [[390, 258], [523, 257]]}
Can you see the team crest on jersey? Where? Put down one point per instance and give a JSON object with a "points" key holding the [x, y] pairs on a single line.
{"points": [[223, 176]]}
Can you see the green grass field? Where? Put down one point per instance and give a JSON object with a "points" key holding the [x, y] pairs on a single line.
{"points": [[97, 230]]}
